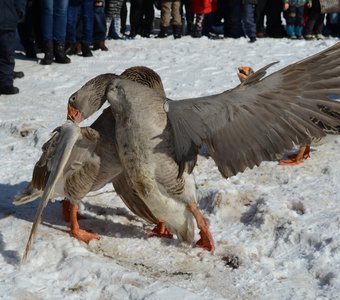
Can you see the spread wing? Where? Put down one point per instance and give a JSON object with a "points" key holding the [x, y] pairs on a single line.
{"points": [[262, 117]]}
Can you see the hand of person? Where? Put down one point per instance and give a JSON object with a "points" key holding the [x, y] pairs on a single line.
{"points": [[285, 6], [309, 4]]}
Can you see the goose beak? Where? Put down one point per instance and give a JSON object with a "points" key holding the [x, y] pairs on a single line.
{"points": [[244, 73], [74, 114]]}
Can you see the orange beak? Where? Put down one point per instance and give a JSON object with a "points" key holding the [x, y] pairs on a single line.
{"points": [[243, 73], [74, 114]]}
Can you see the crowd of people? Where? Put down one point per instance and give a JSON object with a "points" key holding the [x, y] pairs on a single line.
{"points": [[61, 28]]}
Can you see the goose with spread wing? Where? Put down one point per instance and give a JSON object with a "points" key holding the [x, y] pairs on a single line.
{"points": [[258, 120]]}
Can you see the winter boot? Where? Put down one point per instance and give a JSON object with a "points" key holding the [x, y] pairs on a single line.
{"points": [[196, 32], [298, 32], [114, 30], [59, 53], [291, 32], [48, 50], [163, 33], [177, 31], [85, 50], [99, 45], [72, 48]]}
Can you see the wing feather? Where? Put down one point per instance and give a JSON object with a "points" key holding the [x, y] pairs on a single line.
{"points": [[261, 118]]}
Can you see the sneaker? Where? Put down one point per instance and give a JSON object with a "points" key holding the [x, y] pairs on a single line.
{"points": [[292, 37], [9, 90], [18, 74], [299, 37], [319, 36], [309, 37]]}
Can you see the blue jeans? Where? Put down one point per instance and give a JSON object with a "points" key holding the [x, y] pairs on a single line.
{"points": [[85, 10], [53, 19], [99, 28]]}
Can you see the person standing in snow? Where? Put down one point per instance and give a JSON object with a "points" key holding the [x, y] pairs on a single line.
{"points": [[170, 14], [315, 22], [293, 13], [11, 11]]}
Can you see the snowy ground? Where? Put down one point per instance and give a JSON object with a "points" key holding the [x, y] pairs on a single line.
{"points": [[282, 223]]}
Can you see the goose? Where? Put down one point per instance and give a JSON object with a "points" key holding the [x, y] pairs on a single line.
{"points": [[158, 139], [258, 120], [77, 160]]}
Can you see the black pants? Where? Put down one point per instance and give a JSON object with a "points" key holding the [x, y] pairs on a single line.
{"points": [[273, 10], [7, 41], [315, 19], [141, 16]]}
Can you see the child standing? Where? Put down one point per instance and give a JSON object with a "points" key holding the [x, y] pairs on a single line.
{"points": [[293, 13]]}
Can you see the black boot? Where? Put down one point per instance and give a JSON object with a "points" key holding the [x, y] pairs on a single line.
{"points": [[163, 33], [48, 50], [72, 48], [59, 53], [177, 31], [85, 50], [8, 90]]}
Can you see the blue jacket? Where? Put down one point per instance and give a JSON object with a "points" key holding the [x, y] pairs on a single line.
{"points": [[11, 11]]}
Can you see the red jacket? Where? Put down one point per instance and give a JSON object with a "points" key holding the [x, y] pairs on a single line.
{"points": [[203, 6]]}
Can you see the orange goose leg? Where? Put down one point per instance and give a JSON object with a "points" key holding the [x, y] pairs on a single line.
{"points": [[304, 153], [160, 231], [66, 210], [78, 233], [206, 241]]}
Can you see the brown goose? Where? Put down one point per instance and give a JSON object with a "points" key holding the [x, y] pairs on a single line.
{"points": [[89, 99], [256, 121], [87, 161]]}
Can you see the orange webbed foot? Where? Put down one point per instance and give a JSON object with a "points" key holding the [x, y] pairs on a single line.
{"points": [[303, 153], [81, 234], [84, 235], [160, 231], [206, 241]]}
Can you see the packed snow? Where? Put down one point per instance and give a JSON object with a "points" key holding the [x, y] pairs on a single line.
{"points": [[276, 228]]}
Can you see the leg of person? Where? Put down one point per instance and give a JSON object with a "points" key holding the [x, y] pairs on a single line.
{"points": [[176, 19], [135, 16], [259, 17], [299, 22], [71, 28], [165, 19], [59, 31], [149, 15], [312, 14], [7, 40], [99, 27], [248, 21], [87, 18], [290, 16], [47, 31]]}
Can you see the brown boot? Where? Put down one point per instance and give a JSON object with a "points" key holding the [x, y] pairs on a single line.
{"points": [[99, 45]]}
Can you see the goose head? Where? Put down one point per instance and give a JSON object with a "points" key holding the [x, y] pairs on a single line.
{"points": [[89, 98]]}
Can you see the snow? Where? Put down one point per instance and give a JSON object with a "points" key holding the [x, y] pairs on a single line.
{"points": [[276, 228]]}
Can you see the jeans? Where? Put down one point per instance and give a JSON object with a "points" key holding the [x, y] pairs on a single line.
{"points": [[99, 28], [85, 9], [53, 19]]}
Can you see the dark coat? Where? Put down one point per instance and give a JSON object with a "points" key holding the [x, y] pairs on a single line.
{"points": [[11, 11]]}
